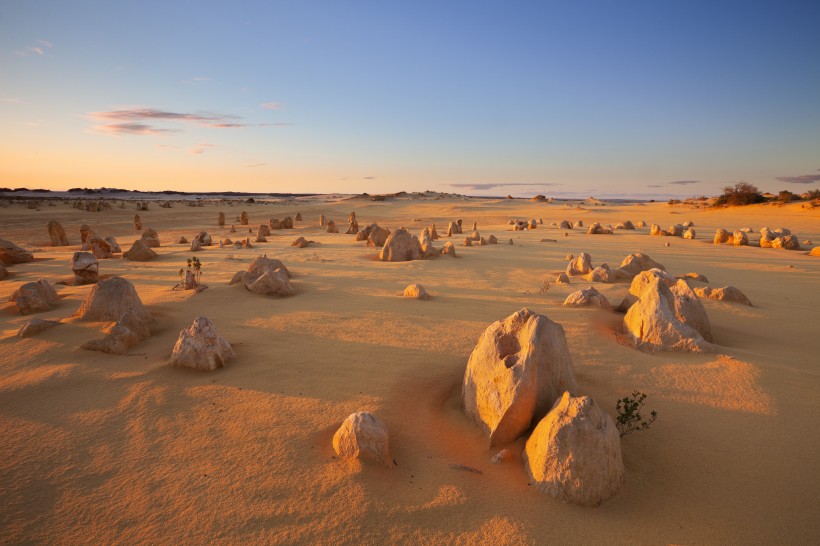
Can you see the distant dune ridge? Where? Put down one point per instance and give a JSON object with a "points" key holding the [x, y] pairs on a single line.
{"points": [[335, 415]]}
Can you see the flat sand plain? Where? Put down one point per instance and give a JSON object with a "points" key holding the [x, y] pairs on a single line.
{"points": [[98, 448]]}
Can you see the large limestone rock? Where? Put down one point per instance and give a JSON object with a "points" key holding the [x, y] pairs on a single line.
{"points": [[352, 228], [722, 236], [585, 297], [574, 454], [243, 218], [739, 238], [322, 220], [220, 219], [331, 227], [416, 291], [675, 231], [34, 297], [689, 233], [518, 368], [137, 223], [110, 299], [400, 246], [57, 234], [724, 293], [140, 252], [11, 254], [637, 262], [565, 224], [150, 238], [203, 238], [200, 347], [287, 223], [789, 242], [815, 251], [597, 229], [363, 436], [377, 236], [581, 265], [626, 224], [85, 268], [266, 276], [449, 249], [85, 231], [100, 248], [603, 274], [666, 318], [656, 230]]}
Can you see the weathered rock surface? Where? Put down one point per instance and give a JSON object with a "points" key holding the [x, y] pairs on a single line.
{"points": [[562, 279], [449, 249], [363, 436], [11, 254], [243, 218], [581, 265], [574, 454], [203, 238], [815, 251], [788, 242], [400, 246], [637, 262], [675, 231], [34, 297], [331, 227], [597, 229], [416, 291], [110, 299], [150, 238], [85, 268], [724, 293], [377, 236], [722, 236], [220, 219], [689, 233], [518, 368], [140, 252], [656, 230], [585, 297], [57, 234], [200, 347], [739, 238], [266, 276], [664, 318], [626, 224], [35, 326], [301, 242]]}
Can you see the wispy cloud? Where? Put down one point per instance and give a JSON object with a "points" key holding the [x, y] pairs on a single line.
{"points": [[136, 120], [252, 165], [39, 49], [11, 100], [131, 129], [196, 80], [803, 179], [500, 185], [684, 182], [200, 148], [368, 178], [271, 106], [654, 185]]}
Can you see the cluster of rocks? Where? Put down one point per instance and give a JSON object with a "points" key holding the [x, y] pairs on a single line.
{"points": [[686, 230], [597, 229], [266, 276], [519, 373], [115, 300], [523, 225], [566, 224], [630, 266], [92, 205]]}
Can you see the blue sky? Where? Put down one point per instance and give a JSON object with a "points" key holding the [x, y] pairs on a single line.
{"points": [[561, 98]]}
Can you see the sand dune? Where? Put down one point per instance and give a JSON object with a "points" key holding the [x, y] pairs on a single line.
{"points": [[101, 448]]}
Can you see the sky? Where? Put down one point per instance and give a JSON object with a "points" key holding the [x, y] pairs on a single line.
{"points": [[573, 98]]}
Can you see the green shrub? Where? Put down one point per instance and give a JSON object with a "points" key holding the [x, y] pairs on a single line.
{"points": [[741, 193], [629, 414]]}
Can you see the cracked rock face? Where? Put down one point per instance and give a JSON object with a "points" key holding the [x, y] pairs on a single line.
{"points": [[518, 368], [85, 267], [574, 454], [34, 297], [201, 347]]}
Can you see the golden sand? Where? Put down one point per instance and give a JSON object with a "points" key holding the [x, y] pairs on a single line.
{"points": [[100, 448]]}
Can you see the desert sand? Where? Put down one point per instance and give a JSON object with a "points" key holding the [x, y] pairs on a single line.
{"points": [[99, 448]]}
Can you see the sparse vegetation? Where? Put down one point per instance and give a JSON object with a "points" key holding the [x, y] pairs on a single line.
{"points": [[190, 278], [629, 414], [741, 193]]}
